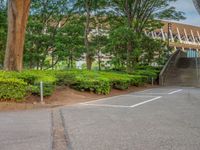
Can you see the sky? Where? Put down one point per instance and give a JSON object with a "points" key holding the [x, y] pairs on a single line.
{"points": [[191, 13]]}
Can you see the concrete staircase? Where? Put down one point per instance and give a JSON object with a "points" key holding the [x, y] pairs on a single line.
{"points": [[182, 73]]}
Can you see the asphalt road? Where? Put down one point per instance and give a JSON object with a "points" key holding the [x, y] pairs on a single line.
{"points": [[156, 119], [28, 130]]}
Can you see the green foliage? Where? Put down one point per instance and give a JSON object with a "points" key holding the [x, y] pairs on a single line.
{"points": [[33, 79], [117, 80], [3, 31], [27, 76], [98, 85], [148, 72], [99, 82], [48, 88], [66, 78], [48, 79], [84, 81], [12, 88], [60, 32], [45, 41]]}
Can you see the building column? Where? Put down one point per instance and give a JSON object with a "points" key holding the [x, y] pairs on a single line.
{"points": [[187, 41], [179, 36]]}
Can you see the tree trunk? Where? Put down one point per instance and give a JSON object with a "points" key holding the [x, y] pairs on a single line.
{"points": [[99, 61], [129, 58], [89, 61], [88, 53], [130, 45], [18, 11]]}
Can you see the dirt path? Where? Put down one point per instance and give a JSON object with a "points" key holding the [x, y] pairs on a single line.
{"points": [[63, 96]]}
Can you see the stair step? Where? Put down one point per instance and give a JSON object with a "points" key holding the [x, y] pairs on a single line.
{"points": [[183, 73]]}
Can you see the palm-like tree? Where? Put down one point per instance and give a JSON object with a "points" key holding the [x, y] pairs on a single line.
{"points": [[197, 5]]}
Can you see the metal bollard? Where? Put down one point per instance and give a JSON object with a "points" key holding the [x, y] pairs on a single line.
{"points": [[152, 82], [41, 93]]}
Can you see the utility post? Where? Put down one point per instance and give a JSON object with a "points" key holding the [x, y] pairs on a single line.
{"points": [[197, 64], [169, 26]]}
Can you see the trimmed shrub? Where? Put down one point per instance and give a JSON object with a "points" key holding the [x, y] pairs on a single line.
{"points": [[97, 85], [12, 89], [95, 81], [138, 80], [84, 81], [117, 81], [28, 76], [66, 78], [49, 85]]}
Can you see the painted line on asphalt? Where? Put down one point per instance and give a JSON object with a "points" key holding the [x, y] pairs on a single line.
{"points": [[143, 91], [132, 95], [105, 105], [154, 94], [164, 93], [102, 99], [173, 92], [142, 103], [111, 98], [122, 106]]}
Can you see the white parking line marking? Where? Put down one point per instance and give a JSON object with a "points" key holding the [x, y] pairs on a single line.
{"points": [[143, 91], [153, 99], [122, 106], [175, 91], [137, 95], [104, 105], [154, 94], [108, 98]]}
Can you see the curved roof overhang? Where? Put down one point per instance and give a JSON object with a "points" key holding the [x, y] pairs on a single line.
{"points": [[197, 5]]}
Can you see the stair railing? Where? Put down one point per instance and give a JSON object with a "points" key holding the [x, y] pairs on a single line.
{"points": [[172, 60]]}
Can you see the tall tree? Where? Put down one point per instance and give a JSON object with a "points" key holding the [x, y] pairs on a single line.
{"points": [[18, 12], [90, 8], [46, 21], [3, 30], [137, 14]]}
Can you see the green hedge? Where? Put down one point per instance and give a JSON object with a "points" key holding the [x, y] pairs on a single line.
{"points": [[99, 82], [14, 85], [49, 83], [33, 78], [97, 85], [12, 89], [84, 81]]}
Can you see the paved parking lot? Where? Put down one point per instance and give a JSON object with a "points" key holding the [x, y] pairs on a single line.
{"points": [[27, 130], [156, 119]]}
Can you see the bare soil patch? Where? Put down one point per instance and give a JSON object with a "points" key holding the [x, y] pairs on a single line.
{"points": [[63, 96]]}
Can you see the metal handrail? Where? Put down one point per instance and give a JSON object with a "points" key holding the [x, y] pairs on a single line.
{"points": [[166, 66]]}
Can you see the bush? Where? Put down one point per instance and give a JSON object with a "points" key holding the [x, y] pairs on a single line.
{"points": [[138, 80], [147, 67], [117, 80], [33, 78], [12, 89], [49, 85], [14, 84], [66, 78], [84, 81], [97, 85], [27, 76]]}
